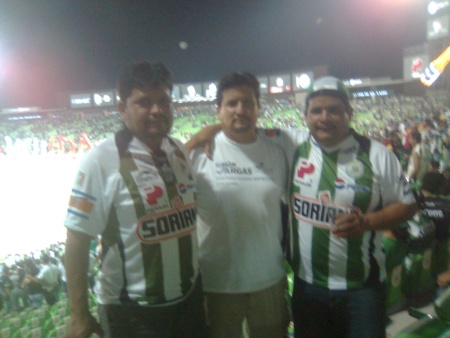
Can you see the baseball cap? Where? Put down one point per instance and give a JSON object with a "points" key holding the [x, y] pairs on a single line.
{"points": [[328, 86]]}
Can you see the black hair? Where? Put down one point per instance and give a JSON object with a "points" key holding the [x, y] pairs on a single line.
{"points": [[433, 182], [143, 75], [329, 92], [235, 79], [416, 136], [435, 164]]}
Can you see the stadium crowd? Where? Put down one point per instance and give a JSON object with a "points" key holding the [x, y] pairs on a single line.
{"points": [[378, 117], [35, 280]]}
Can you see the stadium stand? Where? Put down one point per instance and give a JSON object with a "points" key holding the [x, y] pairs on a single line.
{"points": [[74, 132]]}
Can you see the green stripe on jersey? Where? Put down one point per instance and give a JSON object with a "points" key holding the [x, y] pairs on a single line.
{"points": [[185, 242], [302, 150], [185, 256], [320, 253], [151, 253], [355, 266]]}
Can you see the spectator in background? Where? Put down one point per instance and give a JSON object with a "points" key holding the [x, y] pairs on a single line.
{"points": [[48, 277], [419, 158], [35, 291], [395, 144], [433, 166], [6, 287], [434, 183], [19, 294]]}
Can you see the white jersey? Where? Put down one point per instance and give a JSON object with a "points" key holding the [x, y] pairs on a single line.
{"points": [[424, 160], [143, 206], [358, 172], [239, 218]]}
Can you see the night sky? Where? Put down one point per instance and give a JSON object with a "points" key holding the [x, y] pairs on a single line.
{"points": [[51, 46]]}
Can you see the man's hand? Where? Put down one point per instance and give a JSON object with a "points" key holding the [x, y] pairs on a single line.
{"points": [[83, 326], [204, 138], [349, 225], [444, 279]]}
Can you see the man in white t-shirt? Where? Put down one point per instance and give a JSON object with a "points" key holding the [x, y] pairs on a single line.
{"points": [[49, 278], [239, 218]]}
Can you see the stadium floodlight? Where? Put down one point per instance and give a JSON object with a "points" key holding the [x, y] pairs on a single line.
{"points": [[435, 6], [303, 81], [436, 68]]}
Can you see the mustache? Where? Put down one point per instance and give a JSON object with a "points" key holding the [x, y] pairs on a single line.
{"points": [[241, 118]]}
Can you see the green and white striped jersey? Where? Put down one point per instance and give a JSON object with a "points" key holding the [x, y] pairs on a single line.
{"points": [[143, 206], [359, 172]]}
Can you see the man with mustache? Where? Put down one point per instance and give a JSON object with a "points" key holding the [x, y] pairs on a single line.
{"points": [[239, 218], [345, 189], [136, 191]]}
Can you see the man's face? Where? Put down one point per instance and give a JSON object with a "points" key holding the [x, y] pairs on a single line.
{"points": [[147, 113], [238, 113], [328, 120]]}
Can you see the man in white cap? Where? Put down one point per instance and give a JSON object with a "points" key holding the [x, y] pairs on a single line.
{"points": [[345, 189]]}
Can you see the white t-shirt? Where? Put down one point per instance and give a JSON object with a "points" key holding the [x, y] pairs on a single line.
{"points": [[239, 217]]}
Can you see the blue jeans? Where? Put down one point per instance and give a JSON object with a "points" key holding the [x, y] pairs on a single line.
{"points": [[183, 320], [320, 312]]}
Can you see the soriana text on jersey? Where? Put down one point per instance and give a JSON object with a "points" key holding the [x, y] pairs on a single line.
{"points": [[173, 223], [314, 212]]}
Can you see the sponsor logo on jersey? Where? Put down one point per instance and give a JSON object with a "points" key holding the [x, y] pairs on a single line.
{"points": [[312, 211], [152, 194], [177, 203], [80, 179], [231, 168], [184, 188], [146, 177], [167, 225], [303, 169], [81, 204], [341, 184], [355, 169]]}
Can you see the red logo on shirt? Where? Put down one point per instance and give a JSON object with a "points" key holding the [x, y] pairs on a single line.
{"points": [[305, 168], [153, 195]]}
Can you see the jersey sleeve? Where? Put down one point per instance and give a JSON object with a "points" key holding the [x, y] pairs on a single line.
{"points": [[287, 138], [90, 199], [393, 184]]}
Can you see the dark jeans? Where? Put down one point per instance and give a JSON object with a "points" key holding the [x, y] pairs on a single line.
{"points": [[320, 312], [182, 320], [51, 296]]}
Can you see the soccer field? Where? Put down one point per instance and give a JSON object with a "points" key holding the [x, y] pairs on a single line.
{"points": [[33, 198]]}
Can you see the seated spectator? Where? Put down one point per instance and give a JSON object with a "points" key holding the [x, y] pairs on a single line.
{"points": [[48, 277], [419, 158], [6, 288], [434, 166], [434, 183], [35, 291], [19, 294]]}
